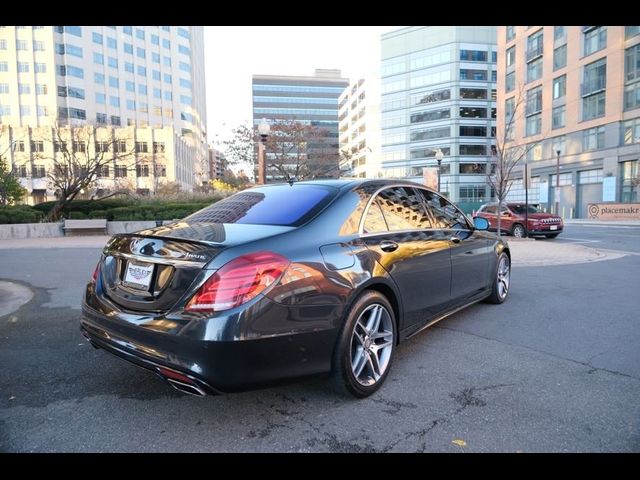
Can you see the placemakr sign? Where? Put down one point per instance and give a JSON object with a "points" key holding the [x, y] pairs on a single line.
{"points": [[614, 211]]}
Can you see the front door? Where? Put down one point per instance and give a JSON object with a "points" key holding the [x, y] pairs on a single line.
{"points": [[470, 248]]}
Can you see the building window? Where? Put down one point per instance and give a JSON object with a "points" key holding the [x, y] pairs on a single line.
{"points": [[595, 40], [38, 171], [37, 146], [114, 82], [473, 150], [166, 43], [185, 50], [473, 168], [473, 112], [590, 176], [631, 132], [59, 147], [24, 88], [97, 38], [533, 124], [120, 171], [131, 104], [511, 56], [593, 139], [475, 75], [534, 101], [112, 62], [142, 147], [632, 64], [558, 143], [168, 96], [115, 120], [41, 89], [140, 33], [128, 30], [128, 48], [3, 44], [593, 89], [631, 31], [632, 96], [558, 117], [535, 43], [79, 147], [98, 78], [23, 67], [511, 33], [559, 87], [534, 70], [155, 57], [38, 46], [155, 39], [558, 32], [472, 131], [40, 68], [112, 43], [418, 135], [560, 58], [141, 52], [630, 176], [101, 98], [98, 58], [142, 89], [4, 66], [157, 93], [4, 88], [19, 147], [183, 32], [21, 45], [102, 119], [25, 110], [465, 55], [114, 102], [167, 78], [430, 115], [102, 171], [142, 170], [166, 61], [161, 171], [142, 71]]}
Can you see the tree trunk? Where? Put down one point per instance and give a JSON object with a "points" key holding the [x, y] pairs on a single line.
{"points": [[56, 212], [499, 214]]}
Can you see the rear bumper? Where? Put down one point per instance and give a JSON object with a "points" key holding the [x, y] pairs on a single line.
{"points": [[212, 366], [545, 231]]}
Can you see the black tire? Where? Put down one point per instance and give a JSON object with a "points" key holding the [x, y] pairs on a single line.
{"points": [[343, 376], [497, 294], [518, 231]]}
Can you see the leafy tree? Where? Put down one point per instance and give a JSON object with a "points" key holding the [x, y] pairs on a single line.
{"points": [[10, 189]]}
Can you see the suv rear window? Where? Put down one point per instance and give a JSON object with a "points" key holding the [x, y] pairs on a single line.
{"points": [[282, 205]]}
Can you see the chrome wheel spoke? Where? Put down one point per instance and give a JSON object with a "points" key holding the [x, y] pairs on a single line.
{"points": [[374, 366], [360, 362], [374, 320]]}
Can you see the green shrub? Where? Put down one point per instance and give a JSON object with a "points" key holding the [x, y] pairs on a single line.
{"points": [[98, 214], [19, 214], [77, 216]]}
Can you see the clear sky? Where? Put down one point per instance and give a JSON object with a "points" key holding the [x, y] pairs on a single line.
{"points": [[233, 54]]}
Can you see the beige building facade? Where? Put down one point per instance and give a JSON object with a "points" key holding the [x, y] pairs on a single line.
{"points": [[576, 94], [139, 160]]}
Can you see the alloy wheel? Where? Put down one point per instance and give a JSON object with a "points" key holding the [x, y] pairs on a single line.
{"points": [[371, 344]]}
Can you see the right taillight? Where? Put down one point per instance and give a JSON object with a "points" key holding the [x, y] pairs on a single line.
{"points": [[238, 281]]}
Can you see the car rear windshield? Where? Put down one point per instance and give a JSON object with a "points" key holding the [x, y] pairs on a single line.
{"points": [[282, 205]]}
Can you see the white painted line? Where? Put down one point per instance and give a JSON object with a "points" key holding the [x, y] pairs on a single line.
{"points": [[579, 240]]}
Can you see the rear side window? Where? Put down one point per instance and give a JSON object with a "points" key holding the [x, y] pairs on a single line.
{"points": [[282, 205], [403, 209], [489, 209]]}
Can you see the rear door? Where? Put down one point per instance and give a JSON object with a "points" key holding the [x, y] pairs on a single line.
{"points": [[398, 229]]}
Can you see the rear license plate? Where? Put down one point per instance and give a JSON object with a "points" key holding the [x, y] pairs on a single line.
{"points": [[139, 275], [553, 227]]}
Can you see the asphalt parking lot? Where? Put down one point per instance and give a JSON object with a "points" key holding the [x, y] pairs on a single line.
{"points": [[554, 369]]}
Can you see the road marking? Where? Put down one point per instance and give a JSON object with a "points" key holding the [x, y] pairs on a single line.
{"points": [[578, 225], [579, 240]]}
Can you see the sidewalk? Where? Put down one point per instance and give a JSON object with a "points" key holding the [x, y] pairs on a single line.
{"points": [[528, 252], [96, 241], [602, 223]]}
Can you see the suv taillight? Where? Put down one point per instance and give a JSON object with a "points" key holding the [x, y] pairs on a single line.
{"points": [[238, 281]]}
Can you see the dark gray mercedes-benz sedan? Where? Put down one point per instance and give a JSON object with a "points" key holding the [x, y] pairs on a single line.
{"points": [[283, 281]]}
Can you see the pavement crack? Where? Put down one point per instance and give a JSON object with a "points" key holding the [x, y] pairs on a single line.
{"points": [[584, 364]]}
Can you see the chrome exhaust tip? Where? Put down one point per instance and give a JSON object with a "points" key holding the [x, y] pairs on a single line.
{"points": [[186, 387]]}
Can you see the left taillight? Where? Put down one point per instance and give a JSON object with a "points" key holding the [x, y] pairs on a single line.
{"points": [[96, 272], [238, 281]]}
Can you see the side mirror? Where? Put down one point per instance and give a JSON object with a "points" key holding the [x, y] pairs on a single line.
{"points": [[481, 223]]}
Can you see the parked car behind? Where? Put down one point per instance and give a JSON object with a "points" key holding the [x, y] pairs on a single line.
{"points": [[514, 218]]}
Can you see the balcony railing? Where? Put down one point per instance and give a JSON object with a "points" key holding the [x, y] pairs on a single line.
{"points": [[595, 85], [534, 52]]}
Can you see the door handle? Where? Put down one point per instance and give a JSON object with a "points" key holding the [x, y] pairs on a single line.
{"points": [[388, 246], [454, 239]]}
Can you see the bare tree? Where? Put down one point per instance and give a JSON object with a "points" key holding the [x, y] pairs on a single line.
{"points": [[239, 149], [509, 153], [79, 159], [298, 151]]}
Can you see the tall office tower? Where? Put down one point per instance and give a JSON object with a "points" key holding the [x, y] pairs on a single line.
{"points": [[310, 101], [580, 115], [115, 76], [438, 92], [359, 116]]}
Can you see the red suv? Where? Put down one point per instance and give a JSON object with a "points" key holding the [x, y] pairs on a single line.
{"points": [[513, 220]]}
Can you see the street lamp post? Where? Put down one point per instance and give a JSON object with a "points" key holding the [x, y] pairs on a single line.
{"points": [[263, 130], [439, 156], [526, 199], [557, 192]]}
